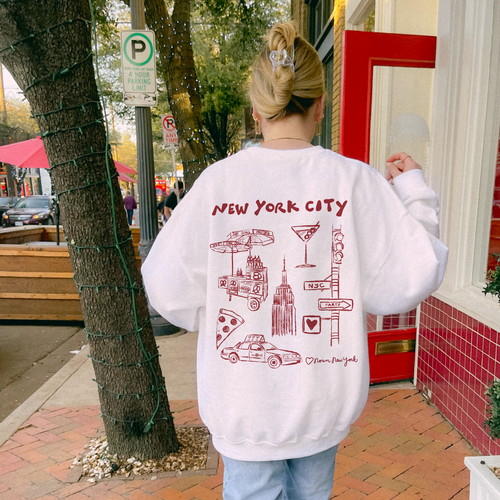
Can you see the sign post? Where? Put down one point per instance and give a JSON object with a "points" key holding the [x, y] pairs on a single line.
{"points": [[335, 304], [170, 140], [138, 67]]}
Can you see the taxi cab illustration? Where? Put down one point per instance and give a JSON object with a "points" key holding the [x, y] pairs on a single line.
{"points": [[255, 348]]}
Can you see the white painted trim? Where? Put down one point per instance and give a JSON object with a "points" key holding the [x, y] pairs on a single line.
{"points": [[357, 11], [474, 303], [417, 345], [466, 120]]}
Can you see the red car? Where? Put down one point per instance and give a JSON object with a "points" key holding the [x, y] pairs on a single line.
{"points": [[30, 210]]}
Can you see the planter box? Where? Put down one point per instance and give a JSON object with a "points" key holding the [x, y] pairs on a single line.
{"points": [[36, 275], [484, 485]]}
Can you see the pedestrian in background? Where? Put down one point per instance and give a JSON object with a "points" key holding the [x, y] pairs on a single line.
{"points": [[174, 198], [278, 383], [130, 205], [161, 209]]}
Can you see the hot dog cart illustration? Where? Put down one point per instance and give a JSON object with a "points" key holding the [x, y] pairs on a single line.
{"points": [[253, 283]]}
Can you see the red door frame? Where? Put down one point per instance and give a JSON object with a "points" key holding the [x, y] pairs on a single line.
{"points": [[361, 51]]}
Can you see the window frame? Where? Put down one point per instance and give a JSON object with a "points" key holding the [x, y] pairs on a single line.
{"points": [[317, 38], [464, 145]]}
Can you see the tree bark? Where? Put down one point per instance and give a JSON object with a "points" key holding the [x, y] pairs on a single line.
{"points": [[46, 46], [173, 42]]}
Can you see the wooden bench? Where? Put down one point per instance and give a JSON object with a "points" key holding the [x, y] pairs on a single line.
{"points": [[36, 275]]}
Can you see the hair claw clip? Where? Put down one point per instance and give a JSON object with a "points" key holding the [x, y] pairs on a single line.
{"points": [[281, 58]]}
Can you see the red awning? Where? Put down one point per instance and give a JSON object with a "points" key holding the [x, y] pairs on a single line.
{"points": [[125, 178], [25, 154], [31, 154], [124, 168]]}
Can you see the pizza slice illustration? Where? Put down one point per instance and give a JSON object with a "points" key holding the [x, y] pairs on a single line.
{"points": [[227, 322]]}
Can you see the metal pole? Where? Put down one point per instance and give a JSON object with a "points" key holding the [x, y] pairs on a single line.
{"points": [[148, 219]]}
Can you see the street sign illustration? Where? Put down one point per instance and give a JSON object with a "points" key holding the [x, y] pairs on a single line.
{"points": [[317, 285], [137, 49], [335, 305], [169, 130]]}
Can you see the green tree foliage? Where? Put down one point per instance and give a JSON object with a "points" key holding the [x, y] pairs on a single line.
{"points": [[111, 17], [493, 280], [227, 36], [16, 124], [126, 150], [493, 409]]}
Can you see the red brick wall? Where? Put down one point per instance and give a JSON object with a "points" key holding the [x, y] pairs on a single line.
{"points": [[458, 356]]}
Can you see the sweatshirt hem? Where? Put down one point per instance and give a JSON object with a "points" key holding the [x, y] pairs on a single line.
{"points": [[262, 452]]}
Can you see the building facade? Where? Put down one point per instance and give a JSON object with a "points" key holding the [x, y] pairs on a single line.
{"points": [[448, 119]]}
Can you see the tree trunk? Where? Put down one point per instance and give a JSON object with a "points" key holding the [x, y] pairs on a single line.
{"points": [[46, 46], [173, 42]]}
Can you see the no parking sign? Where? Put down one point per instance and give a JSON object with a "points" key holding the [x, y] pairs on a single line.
{"points": [[169, 130], [138, 67]]}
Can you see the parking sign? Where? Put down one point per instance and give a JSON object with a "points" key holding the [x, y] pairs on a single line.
{"points": [[138, 67], [169, 130]]}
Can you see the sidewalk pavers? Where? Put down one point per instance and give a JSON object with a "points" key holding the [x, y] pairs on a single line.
{"points": [[400, 448]]}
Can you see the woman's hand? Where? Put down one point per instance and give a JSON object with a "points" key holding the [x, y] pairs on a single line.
{"points": [[405, 164]]}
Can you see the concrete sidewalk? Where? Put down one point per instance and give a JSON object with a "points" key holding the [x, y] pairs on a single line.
{"points": [[399, 448]]}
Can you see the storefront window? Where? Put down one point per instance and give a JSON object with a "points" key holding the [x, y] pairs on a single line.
{"points": [[325, 139], [320, 13], [494, 244], [26, 190], [36, 185]]}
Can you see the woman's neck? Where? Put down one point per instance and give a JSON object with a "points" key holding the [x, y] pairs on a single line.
{"points": [[292, 132]]}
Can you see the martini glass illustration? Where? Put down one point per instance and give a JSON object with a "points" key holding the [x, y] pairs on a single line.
{"points": [[305, 233]]}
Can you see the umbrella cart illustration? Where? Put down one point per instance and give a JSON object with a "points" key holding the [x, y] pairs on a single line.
{"points": [[253, 283], [231, 247]]}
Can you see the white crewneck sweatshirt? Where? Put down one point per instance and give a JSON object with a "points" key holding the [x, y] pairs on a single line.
{"points": [[276, 257]]}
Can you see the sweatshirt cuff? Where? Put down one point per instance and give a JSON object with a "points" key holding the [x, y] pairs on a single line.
{"points": [[409, 182]]}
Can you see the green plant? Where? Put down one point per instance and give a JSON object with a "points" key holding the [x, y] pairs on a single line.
{"points": [[493, 409], [493, 277]]}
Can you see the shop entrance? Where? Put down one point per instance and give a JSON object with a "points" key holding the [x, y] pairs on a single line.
{"points": [[391, 339]]}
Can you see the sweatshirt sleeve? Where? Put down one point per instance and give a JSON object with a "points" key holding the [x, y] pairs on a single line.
{"points": [[174, 272], [412, 264]]}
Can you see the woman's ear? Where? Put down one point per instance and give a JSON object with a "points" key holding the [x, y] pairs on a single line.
{"points": [[255, 114], [320, 106]]}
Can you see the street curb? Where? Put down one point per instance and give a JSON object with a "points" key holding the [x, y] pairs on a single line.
{"points": [[11, 423]]}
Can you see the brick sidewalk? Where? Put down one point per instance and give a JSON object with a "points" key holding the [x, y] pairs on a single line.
{"points": [[400, 448]]}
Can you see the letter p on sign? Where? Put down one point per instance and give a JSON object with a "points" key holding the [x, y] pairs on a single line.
{"points": [[138, 46]]}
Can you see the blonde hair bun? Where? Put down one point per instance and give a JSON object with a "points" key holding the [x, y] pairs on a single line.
{"points": [[285, 89]]}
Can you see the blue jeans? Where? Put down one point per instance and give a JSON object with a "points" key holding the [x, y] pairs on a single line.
{"points": [[306, 478], [130, 214]]}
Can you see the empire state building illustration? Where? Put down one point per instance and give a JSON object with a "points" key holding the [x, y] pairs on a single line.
{"points": [[283, 311]]}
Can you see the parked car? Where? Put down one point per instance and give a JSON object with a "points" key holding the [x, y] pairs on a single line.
{"points": [[30, 210], [7, 202]]}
